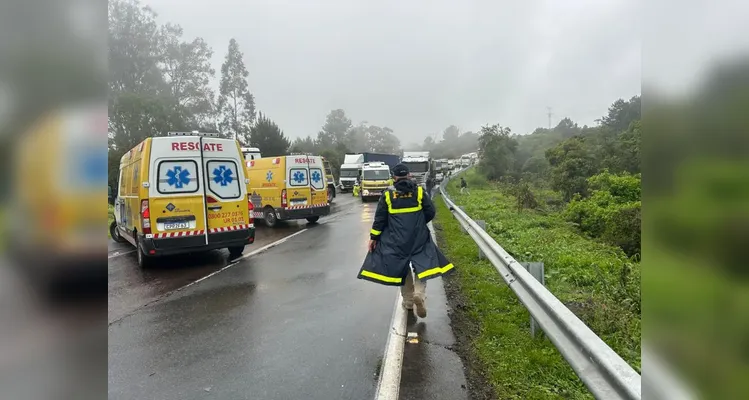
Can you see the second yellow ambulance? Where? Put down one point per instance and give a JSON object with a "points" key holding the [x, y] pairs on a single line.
{"points": [[287, 188]]}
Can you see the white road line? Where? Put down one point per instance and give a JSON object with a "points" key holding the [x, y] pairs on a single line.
{"points": [[165, 295], [389, 383], [260, 250], [117, 254]]}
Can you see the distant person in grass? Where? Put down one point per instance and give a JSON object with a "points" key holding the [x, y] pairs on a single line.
{"points": [[463, 186]]}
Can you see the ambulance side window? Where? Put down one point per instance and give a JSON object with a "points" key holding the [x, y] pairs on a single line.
{"points": [[223, 179], [298, 177], [177, 176]]}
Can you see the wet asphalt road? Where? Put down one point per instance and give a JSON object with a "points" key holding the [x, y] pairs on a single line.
{"points": [[131, 288], [292, 322]]}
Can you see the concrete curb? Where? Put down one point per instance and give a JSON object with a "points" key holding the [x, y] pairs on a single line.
{"points": [[388, 384]]}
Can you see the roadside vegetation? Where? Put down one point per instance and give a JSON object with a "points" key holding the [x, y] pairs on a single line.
{"points": [[568, 197]]}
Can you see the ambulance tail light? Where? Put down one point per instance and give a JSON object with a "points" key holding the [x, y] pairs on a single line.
{"points": [[284, 199], [145, 217], [250, 209]]}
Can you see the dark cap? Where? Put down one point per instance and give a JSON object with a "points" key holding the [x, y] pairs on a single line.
{"points": [[400, 171]]}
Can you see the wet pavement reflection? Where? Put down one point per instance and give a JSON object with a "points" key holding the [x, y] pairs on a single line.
{"points": [[291, 322], [131, 287]]}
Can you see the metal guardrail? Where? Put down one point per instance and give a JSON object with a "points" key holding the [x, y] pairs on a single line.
{"points": [[604, 372]]}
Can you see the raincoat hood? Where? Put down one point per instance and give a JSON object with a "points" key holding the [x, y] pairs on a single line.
{"points": [[405, 186]]}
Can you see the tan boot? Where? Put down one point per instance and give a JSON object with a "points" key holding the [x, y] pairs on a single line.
{"points": [[420, 303]]}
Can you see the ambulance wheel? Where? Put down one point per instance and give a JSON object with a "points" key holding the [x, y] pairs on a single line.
{"points": [[331, 194], [144, 261], [314, 219], [115, 233], [270, 217], [363, 199], [235, 251]]}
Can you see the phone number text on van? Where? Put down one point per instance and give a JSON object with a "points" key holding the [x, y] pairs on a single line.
{"points": [[228, 217]]}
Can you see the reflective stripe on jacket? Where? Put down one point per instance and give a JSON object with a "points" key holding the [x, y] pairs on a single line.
{"points": [[400, 227]]}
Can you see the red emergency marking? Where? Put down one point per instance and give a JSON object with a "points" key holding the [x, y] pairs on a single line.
{"points": [[306, 206], [304, 160], [192, 146], [202, 231]]}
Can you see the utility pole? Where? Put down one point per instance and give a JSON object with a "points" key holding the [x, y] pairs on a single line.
{"points": [[549, 114]]}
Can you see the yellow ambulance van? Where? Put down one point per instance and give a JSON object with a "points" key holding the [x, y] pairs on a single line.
{"points": [[182, 193], [288, 187], [55, 211]]}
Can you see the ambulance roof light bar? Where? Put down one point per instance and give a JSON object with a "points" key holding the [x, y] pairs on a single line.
{"points": [[194, 133]]}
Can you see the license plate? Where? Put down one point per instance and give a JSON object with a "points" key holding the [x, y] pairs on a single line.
{"points": [[299, 203], [176, 225], [375, 193]]}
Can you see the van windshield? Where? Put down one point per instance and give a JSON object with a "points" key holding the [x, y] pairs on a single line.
{"points": [[376, 175]]}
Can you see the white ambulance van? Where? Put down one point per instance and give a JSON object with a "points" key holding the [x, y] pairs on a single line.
{"points": [[183, 193]]}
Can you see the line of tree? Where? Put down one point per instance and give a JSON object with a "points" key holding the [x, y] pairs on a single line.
{"points": [[339, 136], [596, 170], [453, 143], [160, 81]]}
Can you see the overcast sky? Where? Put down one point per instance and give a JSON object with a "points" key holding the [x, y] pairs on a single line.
{"points": [[418, 66]]}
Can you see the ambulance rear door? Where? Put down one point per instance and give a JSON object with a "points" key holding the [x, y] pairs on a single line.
{"points": [[298, 182], [176, 203], [317, 181], [226, 187]]}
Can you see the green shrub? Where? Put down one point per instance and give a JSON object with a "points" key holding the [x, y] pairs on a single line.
{"points": [[612, 212], [624, 227], [524, 196]]}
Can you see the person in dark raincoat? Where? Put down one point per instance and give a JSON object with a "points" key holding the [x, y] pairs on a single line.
{"points": [[400, 240]]}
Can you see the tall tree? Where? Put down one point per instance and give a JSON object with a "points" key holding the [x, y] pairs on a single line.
{"points": [[303, 145], [268, 137], [428, 143], [621, 113], [571, 164], [567, 128], [334, 131], [356, 137], [451, 133], [134, 48], [382, 140], [497, 151], [236, 105], [188, 72]]}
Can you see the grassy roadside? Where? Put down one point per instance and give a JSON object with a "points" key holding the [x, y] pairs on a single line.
{"points": [[595, 280]]}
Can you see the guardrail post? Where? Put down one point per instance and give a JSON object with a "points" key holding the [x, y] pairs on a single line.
{"points": [[537, 270], [482, 224]]}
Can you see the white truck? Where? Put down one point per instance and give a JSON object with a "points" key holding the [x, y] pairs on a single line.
{"points": [[465, 160], [419, 164], [350, 171]]}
